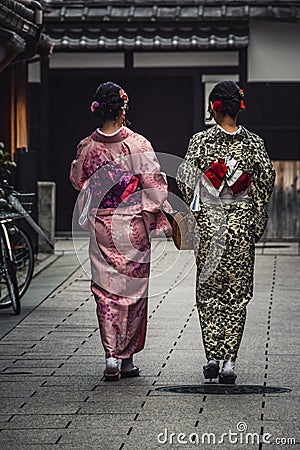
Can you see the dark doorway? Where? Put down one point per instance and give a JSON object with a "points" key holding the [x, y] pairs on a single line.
{"points": [[161, 108]]}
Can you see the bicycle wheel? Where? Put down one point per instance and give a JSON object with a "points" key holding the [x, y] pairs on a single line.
{"points": [[23, 257], [9, 275]]}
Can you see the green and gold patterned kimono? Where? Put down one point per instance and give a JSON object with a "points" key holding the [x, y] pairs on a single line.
{"points": [[226, 179]]}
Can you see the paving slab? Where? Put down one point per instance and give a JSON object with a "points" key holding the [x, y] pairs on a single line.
{"points": [[48, 277], [37, 421], [87, 440], [51, 362], [18, 438], [4, 418], [36, 406]]}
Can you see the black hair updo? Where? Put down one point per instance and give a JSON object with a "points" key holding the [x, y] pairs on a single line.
{"points": [[229, 96], [108, 102]]}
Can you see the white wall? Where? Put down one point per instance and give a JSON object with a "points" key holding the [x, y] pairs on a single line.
{"points": [[34, 72], [274, 52], [185, 59], [86, 60], [148, 59]]}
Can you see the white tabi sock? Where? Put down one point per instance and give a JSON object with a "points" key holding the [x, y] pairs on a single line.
{"points": [[127, 364], [212, 363], [228, 367], [112, 365]]}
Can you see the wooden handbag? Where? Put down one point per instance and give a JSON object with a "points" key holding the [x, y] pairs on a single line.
{"points": [[182, 237]]}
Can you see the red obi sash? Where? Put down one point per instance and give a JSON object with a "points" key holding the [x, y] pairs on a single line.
{"points": [[217, 172], [130, 188]]}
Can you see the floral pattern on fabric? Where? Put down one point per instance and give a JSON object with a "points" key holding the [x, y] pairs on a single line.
{"points": [[128, 190], [223, 297], [112, 185], [206, 147]]}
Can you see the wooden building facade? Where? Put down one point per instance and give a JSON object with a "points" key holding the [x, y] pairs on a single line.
{"points": [[20, 37], [167, 55]]}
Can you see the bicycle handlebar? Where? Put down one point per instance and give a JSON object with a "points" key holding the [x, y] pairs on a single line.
{"points": [[16, 204], [14, 201], [7, 187]]}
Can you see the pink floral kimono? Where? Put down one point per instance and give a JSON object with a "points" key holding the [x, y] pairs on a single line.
{"points": [[128, 190]]}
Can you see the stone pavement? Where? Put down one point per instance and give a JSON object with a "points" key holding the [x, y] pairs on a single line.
{"points": [[51, 363]]}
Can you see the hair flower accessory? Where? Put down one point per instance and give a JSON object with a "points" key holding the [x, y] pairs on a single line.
{"points": [[94, 106], [123, 95], [218, 106], [242, 103]]}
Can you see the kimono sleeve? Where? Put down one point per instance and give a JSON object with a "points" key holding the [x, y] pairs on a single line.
{"points": [[78, 177], [153, 183], [188, 172], [262, 185]]}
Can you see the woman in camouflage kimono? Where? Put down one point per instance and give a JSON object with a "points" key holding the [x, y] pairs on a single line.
{"points": [[226, 179]]}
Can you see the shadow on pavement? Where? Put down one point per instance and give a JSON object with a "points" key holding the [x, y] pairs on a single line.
{"points": [[222, 389]]}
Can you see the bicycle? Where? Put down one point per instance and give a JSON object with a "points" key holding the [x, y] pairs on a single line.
{"points": [[14, 258], [17, 256], [8, 269]]}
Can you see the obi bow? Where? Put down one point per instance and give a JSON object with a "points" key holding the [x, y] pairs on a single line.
{"points": [[226, 170]]}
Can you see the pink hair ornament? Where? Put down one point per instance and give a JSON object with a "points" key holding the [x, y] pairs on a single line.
{"points": [[123, 95], [94, 106]]}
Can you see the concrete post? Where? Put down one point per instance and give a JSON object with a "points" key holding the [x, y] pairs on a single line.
{"points": [[46, 213]]}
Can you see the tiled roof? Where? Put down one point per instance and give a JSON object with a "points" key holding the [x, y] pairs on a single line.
{"points": [[20, 26], [149, 38], [17, 17], [156, 24], [18, 8], [141, 10]]}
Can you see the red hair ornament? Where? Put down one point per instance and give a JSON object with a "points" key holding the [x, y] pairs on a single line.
{"points": [[218, 106], [123, 95], [242, 103]]}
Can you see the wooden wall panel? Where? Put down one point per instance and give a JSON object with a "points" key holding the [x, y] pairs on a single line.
{"points": [[284, 206]]}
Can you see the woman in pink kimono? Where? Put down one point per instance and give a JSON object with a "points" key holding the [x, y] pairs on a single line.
{"points": [[118, 167]]}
